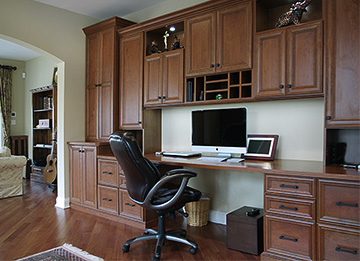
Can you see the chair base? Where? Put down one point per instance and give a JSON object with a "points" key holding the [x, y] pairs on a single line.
{"points": [[160, 235]]}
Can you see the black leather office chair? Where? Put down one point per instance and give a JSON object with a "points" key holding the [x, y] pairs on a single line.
{"points": [[146, 187]]}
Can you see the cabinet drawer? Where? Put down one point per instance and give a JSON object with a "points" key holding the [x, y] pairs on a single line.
{"points": [[108, 172], [291, 186], [128, 207], [338, 244], [290, 238], [291, 207], [108, 199], [339, 202]]}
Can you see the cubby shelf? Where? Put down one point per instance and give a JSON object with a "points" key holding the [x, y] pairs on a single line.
{"points": [[226, 86]]}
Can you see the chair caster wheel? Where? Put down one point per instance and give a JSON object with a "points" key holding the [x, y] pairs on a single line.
{"points": [[125, 248], [193, 250], [154, 258]]}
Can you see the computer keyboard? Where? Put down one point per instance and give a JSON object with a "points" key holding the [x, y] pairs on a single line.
{"points": [[212, 159]]}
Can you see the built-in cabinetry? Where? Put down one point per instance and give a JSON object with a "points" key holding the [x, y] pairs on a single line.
{"points": [[342, 81], [311, 218], [289, 205], [98, 185], [219, 41], [288, 61], [338, 233], [164, 78], [43, 126], [102, 107], [131, 80]]}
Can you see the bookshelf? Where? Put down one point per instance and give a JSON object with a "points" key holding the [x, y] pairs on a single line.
{"points": [[43, 126]]}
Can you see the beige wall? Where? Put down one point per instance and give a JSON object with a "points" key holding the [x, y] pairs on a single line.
{"points": [[56, 34], [18, 98]]}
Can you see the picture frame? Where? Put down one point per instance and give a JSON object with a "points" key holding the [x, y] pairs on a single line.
{"points": [[261, 147]]}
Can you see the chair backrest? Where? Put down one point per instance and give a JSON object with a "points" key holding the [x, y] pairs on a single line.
{"points": [[141, 175]]}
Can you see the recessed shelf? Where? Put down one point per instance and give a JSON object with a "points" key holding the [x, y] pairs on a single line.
{"points": [[268, 12], [220, 87]]}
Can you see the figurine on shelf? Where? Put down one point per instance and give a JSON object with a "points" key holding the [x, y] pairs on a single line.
{"points": [[166, 35], [294, 15], [176, 43], [154, 48]]}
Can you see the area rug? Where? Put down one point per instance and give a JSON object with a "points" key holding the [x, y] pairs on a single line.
{"points": [[66, 252]]}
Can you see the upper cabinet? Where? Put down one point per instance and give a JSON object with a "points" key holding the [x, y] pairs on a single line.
{"points": [[102, 78], [131, 80], [219, 41], [164, 78], [342, 63], [289, 61]]}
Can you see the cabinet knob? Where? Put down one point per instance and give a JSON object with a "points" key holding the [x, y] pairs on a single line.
{"points": [[218, 65], [164, 97], [139, 122], [212, 66], [328, 118], [79, 150], [281, 86], [159, 97], [288, 85]]}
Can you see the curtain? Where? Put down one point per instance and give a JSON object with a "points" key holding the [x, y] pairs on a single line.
{"points": [[5, 103]]}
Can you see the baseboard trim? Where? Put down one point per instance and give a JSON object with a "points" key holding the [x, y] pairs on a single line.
{"points": [[62, 203], [217, 217]]}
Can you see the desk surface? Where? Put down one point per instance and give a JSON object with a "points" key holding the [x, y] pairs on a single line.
{"points": [[313, 169]]}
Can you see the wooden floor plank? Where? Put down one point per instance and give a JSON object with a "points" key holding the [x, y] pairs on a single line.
{"points": [[31, 223]]}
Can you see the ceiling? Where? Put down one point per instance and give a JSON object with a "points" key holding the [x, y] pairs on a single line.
{"points": [[100, 9]]}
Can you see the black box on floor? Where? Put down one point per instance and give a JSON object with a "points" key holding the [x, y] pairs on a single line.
{"points": [[245, 232]]}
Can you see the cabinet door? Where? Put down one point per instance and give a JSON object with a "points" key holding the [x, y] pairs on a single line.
{"points": [[173, 77], [131, 80], [200, 44], [92, 81], [108, 95], [75, 174], [304, 61], [153, 80], [269, 67], [234, 36], [342, 63], [89, 176]]}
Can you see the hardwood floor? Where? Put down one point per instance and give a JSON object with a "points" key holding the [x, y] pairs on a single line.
{"points": [[30, 224]]}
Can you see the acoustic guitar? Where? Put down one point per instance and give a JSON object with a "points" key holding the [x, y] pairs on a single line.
{"points": [[50, 169]]}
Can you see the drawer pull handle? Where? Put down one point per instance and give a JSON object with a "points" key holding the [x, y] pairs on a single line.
{"points": [[289, 186], [283, 207], [131, 205], [107, 199], [339, 203], [354, 251], [287, 238], [107, 172]]}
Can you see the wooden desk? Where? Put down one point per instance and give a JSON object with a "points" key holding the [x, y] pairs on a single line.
{"points": [[313, 169], [311, 210]]}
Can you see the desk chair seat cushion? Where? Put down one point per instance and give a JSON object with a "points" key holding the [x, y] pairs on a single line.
{"points": [[165, 193]]}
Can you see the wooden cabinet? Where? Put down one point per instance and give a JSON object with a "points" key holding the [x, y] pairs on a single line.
{"points": [[289, 61], [342, 78], [290, 217], [164, 78], [219, 41], [338, 220], [102, 110], [131, 81], [44, 122], [83, 180]]}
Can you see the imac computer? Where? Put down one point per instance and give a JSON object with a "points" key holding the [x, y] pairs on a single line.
{"points": [[222, 131]]}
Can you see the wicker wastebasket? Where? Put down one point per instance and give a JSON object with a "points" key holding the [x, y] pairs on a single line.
{"points": [[198, 211]]}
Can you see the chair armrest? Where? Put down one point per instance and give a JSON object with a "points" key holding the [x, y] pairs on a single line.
{"points": [[172, 174]]}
